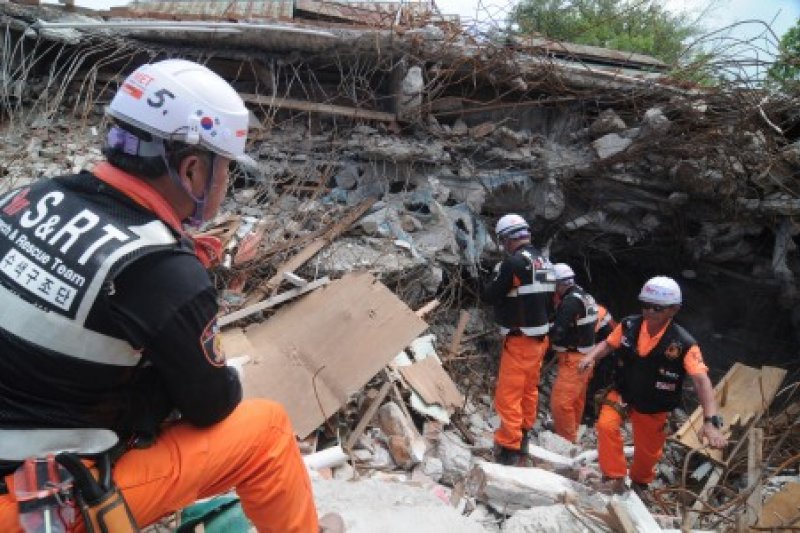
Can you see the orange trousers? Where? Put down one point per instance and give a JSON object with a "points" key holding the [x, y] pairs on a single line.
{"points": [[253, 450], [649, 436], [569, 395], [517, 391]]}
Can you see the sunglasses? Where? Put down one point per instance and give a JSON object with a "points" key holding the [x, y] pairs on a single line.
{"points": [[653, 307]]}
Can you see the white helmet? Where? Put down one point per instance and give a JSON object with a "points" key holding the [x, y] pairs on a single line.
{"points": [[661, 290], [563, 272], [184, 101], [512, 226]]}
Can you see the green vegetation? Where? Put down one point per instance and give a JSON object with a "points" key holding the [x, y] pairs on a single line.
{"points": [[785, 72], [643, 26]]}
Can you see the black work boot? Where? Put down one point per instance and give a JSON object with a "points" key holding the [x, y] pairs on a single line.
{"points": [[527, 437], [641, 490], [507, 456]]}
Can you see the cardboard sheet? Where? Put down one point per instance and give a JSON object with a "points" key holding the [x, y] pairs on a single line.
{"points": [[432, 383], [315, 352]]}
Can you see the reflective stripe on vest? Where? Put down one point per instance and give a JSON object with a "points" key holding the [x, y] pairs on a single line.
{"points": [[533, 288], [529, 332]]}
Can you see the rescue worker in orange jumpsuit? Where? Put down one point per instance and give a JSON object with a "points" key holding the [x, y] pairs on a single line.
{"points": [[655, 355], [522, 293], [132, 335], [571, 336]]}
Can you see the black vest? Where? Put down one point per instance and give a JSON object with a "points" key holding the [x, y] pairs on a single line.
{"points": [[62, 361], [654, 383], [527, 308], [580, 336]]}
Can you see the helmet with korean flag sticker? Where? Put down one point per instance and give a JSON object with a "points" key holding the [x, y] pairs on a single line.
{"points": [[180, 100]]}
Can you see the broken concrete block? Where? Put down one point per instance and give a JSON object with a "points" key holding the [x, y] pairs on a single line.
{"points": [[610, 144], [607, 122], [509, 139], [433, 468], [654, 123], [456, 458], [372, 505], [557, 444], [410, 95], [547, 519], [460, 128], [347, 177], [511, 488]]}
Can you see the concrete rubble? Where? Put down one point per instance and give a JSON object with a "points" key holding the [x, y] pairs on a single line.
{"points": [[622, 176]]}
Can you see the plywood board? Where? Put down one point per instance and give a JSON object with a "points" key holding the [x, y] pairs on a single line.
{"points": [[235, 343], [783, 508], [432, 383], [743, 394], [316, 352]]}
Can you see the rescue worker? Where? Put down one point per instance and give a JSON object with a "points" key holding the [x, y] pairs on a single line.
{"points": [[655, 355], [572, 336], [522, 292], [108, 316]]}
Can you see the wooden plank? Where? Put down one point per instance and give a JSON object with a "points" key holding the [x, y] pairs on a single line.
{"points": [[782, 508], [432, 383], [745, 392], [235, 343], [755, 457], [427, 308], [317, 107], [371, 410], [309, 251], [317, 351], [455, 342], [272, 302]]}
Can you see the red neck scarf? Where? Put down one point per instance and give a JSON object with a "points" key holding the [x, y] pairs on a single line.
{"points": [[207, 248]]}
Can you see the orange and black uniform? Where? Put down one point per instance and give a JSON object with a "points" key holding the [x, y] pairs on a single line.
{"points": [[572, 335], [650, 382], [522, 294], [108, 320]]}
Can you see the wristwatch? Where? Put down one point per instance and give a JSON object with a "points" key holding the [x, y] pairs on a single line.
{"points": [[715, 420]]}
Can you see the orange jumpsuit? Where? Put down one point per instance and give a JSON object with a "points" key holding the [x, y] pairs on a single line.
{"points": [[649, 430], [569, 395], [517, 390], [252, 450]]}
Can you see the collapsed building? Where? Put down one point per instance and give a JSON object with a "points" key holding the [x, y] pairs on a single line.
{"points": [[420, 135]]}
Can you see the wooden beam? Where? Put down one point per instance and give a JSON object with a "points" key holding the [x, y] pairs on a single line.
{"points": [[755, 456], [266, 304], [317, 107], [455, 343], [427, 308], [371, 410]]}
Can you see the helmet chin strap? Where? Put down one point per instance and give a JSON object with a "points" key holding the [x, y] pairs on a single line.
{"points": [[196, 219]]}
